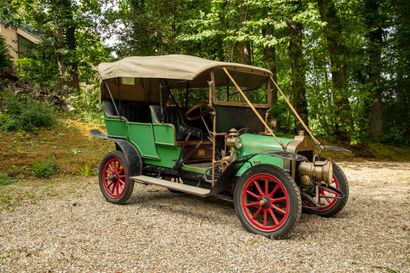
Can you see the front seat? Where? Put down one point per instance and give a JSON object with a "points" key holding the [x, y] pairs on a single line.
{"points": [[173, 116]]}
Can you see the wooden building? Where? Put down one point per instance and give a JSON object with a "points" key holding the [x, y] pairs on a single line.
{"points": [[20, 42]]}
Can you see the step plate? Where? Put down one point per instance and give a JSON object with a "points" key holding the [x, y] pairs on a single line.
{"points": [[171, 185]]}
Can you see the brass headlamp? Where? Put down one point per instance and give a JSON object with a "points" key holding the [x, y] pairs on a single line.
{"points": [[320, 170]]}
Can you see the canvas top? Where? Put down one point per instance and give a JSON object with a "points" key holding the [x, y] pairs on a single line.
{"points": [[178, 67]]}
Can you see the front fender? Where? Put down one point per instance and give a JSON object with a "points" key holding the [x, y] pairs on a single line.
{"points": [[131, 154], [242, 164]]}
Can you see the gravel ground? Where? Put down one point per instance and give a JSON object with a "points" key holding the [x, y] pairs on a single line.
{"points": [[159, 231]]}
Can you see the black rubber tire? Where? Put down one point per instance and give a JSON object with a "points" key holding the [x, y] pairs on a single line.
{"points": [[129, 184], [340, 203], [295, 202]]}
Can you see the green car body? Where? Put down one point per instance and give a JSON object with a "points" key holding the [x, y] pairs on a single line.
{"points": [[222, 146], [157, 146]]}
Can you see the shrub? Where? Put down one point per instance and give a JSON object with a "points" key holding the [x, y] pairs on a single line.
{"points": [[38, 70], [24, 113], [44, 169], [87, 171], [86, 103], [5, 179]]}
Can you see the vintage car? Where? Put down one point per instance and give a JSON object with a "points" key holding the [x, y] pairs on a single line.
{"points": [[201, 127]]}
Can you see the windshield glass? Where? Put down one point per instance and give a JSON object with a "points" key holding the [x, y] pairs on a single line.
{"points": [[230, 95], [187, 98]]}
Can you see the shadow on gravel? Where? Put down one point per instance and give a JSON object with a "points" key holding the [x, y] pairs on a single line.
{"points": [[204, 209], [212, 209]]}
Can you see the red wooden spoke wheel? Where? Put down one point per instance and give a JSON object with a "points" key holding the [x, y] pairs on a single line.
{"points": [[327, 196], [332, 201], [114, 179], [267, 201]]}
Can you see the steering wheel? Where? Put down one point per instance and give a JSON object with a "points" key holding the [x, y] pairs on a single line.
{"points": [[203, 110], [246, 130]]}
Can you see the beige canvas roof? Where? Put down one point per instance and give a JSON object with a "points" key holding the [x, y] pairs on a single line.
{"points": [[177, 67], [139, 78]]}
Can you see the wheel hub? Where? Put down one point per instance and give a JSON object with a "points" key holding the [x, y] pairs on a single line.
{"points": [[265, 201], [113, 178]]}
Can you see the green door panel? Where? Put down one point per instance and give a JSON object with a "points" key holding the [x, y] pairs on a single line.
{"points": [[168, 155], [164, 134], [261, 159], [142, 136], [167, 149], [116, 127]]}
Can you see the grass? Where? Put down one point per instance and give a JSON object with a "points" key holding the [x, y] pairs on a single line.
{"points": [[5, 254], [67, 145], [375, 151], [5, 179], [387, 152], [45, 169], [31, 191]]}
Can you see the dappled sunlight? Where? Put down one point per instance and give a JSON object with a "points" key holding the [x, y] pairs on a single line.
{"points": [[68, 143]]}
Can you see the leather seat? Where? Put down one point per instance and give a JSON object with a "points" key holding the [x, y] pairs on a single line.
{"points": [[173, 116], [132, 111]]}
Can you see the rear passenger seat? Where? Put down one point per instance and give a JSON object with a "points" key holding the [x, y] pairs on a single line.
{"points": [[132, 111]]}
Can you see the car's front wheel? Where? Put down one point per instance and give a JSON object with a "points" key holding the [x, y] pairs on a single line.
{"points": [[267, 201], [114, 180]]}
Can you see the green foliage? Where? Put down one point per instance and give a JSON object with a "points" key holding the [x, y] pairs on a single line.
{"points": [[45, 169], [88, 171], [344, 56], [39, 70], [70, 46], [24, 113], [85, 103], [5, 60], [5, 179]]}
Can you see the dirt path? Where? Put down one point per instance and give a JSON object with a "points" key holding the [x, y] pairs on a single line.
{"points": [[75, 230]]}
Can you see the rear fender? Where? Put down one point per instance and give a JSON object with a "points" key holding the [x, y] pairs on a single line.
{"points": [[228, 176], [131, 154]]}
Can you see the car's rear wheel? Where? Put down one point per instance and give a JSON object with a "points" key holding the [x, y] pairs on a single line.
{"points": [[267, 201], [332, 201], [114, 180]]}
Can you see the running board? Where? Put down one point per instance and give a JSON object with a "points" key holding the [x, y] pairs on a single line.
{"points": [[171, 185]]}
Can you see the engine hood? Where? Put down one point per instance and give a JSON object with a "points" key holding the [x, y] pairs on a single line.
{"points": [[252, 144]]}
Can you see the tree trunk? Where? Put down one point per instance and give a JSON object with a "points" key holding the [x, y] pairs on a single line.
{"points": [[72, 81], [245, 47], [333, 33], [66, 46], [295, 51], [245, 52], [403, 67], [374, 35], [269, 56], [58, 36]]}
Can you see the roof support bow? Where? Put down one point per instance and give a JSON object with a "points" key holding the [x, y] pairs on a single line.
{"points": [[254, 109], [295, 112]]}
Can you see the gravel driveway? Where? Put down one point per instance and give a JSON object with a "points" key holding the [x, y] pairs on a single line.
{"points": [[159, 231]]}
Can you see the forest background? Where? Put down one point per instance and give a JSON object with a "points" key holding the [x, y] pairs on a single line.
{"points": [[345, 64]]}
